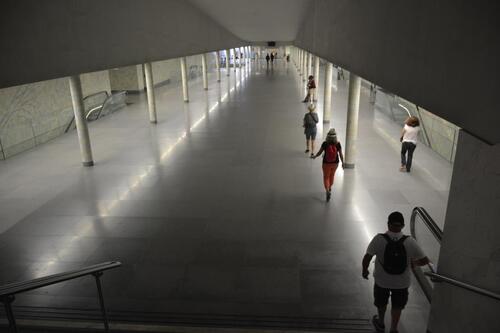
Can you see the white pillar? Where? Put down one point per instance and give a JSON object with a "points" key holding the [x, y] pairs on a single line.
{"points": [[217, 65], [304, 73], [227, 62], [300, 62], [316, 70], [309, 65], [234, 59], [352, 120], [204, 70], [185, 92], [327, 104], [75, 87], [148, 72]]}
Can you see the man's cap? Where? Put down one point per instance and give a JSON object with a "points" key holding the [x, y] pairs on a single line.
{"points": [[396, 218]]}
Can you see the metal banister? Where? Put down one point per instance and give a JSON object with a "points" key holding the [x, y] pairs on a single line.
{"points": [[8, 292], [434, 276], [428, 221], [441, 278]]}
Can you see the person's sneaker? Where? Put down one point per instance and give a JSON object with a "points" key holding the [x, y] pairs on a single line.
{"points": [[402, 169], [307, 150], [379, 327], [328, 195], [312, 155]]}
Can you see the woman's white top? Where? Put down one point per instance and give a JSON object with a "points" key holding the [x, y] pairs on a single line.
{"points": [[411, 134]]}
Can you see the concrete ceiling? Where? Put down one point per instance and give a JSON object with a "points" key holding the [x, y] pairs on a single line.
{"points": [[257, 20]]}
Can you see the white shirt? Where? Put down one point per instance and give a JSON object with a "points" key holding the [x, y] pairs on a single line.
{"points": [[411, 134], [377, 248]]}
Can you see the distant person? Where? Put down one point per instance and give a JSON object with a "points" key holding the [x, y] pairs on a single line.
{"points": [[408, 140], [311, 90], [287, 58], [309, 123], [267, 59], [340, 74], [272, 57], [395, 252], [332, 150]]}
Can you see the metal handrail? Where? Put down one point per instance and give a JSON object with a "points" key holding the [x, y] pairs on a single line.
{"points": [[8, 292], [436, 277], [428, 221], [441, 278]]}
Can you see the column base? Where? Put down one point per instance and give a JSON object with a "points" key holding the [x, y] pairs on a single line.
{"points": [[88, 164], [153, 121], [186, 101], [326, 121], [205, 88], [218, 80], [348, 165]]}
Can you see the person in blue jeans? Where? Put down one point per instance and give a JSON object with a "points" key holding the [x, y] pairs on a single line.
{"points": [[309, 123]]}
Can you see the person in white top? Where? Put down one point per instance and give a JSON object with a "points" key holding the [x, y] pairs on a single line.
{"points": [[408, 142], [394, 253]]}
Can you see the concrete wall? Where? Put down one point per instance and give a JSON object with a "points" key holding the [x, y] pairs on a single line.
{"points": [[441, 55], [34, 113], [58, 38], [470, 251], [126, 78]]}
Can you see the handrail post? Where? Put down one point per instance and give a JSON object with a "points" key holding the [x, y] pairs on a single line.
{"points": [[97, 276], [7, 302]]}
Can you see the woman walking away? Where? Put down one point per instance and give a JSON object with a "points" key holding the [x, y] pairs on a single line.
{"points": [[309, 124], [408, 142], [332, 151], [311, 90]]}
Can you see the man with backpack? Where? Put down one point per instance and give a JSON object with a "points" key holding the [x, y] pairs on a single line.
{"points": [[332, 154], [394, 253]]}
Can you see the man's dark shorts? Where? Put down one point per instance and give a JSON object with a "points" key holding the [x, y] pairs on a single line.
{"points": [[399, 297], [310, 133]]}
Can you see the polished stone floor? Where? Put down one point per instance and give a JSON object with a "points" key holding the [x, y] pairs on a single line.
{"points": [[216, 209]]}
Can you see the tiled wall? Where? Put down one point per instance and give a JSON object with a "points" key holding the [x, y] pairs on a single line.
{"points": [[34, 113]]}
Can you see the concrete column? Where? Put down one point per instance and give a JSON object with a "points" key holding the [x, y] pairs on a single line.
{"points": [[327, 104], [470, 250], [150, 90], [308, 64], [352, 121], [227, 62], [299, 61], [234, 59], [304, 73], [316, 71], [185, 92], [75, 87], [217, 65], [204, 70]]}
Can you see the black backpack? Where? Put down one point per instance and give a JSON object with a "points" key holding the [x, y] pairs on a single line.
{"points": [[395, 259]]}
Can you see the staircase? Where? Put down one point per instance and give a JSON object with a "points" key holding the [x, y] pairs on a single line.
{"points": [[43, 319]]}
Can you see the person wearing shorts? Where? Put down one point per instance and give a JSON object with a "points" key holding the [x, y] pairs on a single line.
{"points": [[391, 285], [309, 123]]}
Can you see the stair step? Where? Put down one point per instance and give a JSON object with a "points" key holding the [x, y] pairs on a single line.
{"points": [[43, 319]]}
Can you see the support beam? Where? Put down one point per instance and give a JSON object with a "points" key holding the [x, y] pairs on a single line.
{"points": [[75, 87], [204, 70], [217, 64], [234, 59], [352, 120], [316, 71], [150, 90], [227, 61], [308, 65], [327, 104], [185, 92]]}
